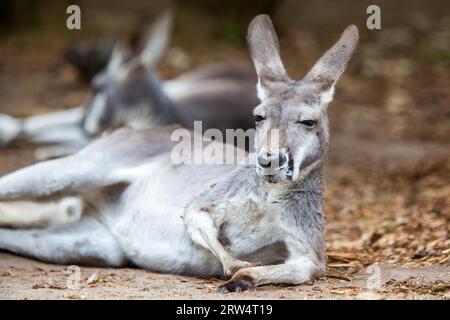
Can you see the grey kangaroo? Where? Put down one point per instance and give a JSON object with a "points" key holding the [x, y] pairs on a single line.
{"points": [[129, 93], [257, 223]]}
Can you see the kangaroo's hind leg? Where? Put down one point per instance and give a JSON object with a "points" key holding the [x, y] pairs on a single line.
{"points": [[40, 214], [54, 127], [87, 242], [73, 175]]}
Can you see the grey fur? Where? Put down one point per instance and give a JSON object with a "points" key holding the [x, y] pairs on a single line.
{"points": [[196, 219]]}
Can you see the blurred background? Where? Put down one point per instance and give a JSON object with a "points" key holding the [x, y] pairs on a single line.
{"points": [[388, 193]]}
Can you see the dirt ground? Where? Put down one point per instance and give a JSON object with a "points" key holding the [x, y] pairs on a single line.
{"points": [[387, 195], [21, 278]]}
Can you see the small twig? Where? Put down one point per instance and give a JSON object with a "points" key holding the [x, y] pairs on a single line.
{"points": [[336, 276]]}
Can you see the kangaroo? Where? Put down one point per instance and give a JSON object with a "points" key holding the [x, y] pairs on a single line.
{"points": [[257, 223], [128, 92]]}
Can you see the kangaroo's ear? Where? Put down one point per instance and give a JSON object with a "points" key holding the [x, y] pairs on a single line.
{"points": [[264, 50], [332, 64], [118, 58], [155, 40]]}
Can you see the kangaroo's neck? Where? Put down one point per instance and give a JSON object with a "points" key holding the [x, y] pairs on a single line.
{"points": [[309, 185], [300, 206], [162, 107]]}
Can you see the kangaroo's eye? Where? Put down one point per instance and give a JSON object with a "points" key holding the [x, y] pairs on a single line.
{"points": [[308, 123], [259, 118]]}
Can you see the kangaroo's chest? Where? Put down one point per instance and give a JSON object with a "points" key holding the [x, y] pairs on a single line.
{"points": [[249, 226]]}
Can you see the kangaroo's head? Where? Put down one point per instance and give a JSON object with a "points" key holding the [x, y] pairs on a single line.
{"points": [[291, 120], [128, 89]]}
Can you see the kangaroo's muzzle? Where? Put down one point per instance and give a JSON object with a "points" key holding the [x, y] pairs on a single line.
{"points": [[272, 166]]}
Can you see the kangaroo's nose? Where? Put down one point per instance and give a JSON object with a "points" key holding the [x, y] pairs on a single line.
{"points": [[281, 159], [269, 160]]}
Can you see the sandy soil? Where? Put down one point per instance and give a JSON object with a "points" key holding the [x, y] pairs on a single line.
{"points": [[25, 279]]}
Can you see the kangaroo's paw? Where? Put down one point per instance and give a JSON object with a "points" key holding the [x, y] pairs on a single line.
{"points": [[232, 266], [240, 282], [10, 129]]}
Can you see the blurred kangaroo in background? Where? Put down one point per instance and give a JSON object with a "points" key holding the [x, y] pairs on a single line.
{"points": [[129, 93], [257, 223]]}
